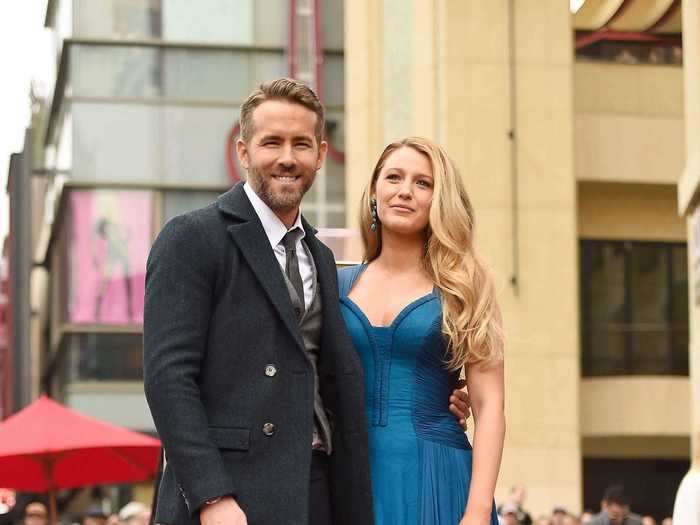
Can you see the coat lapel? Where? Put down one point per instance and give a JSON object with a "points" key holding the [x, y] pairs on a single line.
{"points": [[250, 237]]}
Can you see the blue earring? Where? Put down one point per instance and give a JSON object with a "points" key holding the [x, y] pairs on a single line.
{"points": [[373, 211]]}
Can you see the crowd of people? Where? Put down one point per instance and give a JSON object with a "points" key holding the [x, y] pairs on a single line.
{"points": [[133, 513], [614, 510]]}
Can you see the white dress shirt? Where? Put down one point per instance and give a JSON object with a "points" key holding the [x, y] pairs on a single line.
{"points": [[276, 230]]}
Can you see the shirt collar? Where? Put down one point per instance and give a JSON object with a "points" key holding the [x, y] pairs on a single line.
{"points": [[273, 226]]}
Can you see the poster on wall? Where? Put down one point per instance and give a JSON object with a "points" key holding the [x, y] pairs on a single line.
{"points": [[110, 236]]}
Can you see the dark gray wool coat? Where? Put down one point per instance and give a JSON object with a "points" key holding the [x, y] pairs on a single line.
{"points": [[217, 313]]}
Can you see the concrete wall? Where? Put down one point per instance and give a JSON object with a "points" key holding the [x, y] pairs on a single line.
{"points": [[629, 123]]}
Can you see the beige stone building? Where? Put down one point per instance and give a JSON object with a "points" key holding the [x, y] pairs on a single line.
{"points": [[571, 145]]}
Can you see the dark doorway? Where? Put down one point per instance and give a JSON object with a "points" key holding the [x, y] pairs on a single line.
{"points": [[650, 484]]}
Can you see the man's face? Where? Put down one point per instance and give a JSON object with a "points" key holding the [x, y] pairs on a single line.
{"points": [[283, 155], [616, 513]]}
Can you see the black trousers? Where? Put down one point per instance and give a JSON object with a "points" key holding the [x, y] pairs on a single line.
{"points": [[319, 490]]}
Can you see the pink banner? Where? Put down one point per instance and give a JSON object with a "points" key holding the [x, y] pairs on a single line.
{"points": [[110, 235]]}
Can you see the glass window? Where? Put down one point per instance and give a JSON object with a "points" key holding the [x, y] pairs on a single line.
{"points": [[179, 202], [195, 140], [221, 21], [148, 143], [332, 23], [335, 164], [267, 66], [179, 74], [649, 315], [115, 71], [605, 308], [333, 80], [103, 357], [206, 75], [118, 18], [271, 22], [634, 308], [109, 237]]}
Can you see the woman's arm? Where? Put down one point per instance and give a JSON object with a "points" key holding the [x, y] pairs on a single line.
{"points": [[485, 385]]}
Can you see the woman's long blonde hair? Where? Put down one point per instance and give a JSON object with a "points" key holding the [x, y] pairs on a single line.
{"points": [[471, 319]]}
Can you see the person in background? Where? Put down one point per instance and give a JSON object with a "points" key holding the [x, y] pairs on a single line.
{"points": [[648, 520], [586, 517], [508, 514], [134, 513], [516, 497], [35, 513], [558, 515], [94, 515], [667, 521], [615, 509]]}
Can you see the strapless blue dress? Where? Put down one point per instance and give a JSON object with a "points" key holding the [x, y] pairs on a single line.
{"points": [[420, 458]]}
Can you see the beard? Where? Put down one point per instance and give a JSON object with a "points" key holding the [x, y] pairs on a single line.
{"points": [[284, 199]]}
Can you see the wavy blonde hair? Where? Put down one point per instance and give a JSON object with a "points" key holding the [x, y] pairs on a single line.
{"points": [[471, 319]]}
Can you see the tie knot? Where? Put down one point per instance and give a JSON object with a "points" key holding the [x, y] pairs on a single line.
{"points": [[289, 241]]}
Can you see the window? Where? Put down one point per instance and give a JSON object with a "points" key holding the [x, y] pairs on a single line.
{"points": [[101, 357], [634, 313], [108, 238]]}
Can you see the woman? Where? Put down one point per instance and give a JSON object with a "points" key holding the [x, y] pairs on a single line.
{"points": [[421, 309]]}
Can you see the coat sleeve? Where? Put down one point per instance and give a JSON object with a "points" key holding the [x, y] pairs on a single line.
{"points": [[180, 277]]}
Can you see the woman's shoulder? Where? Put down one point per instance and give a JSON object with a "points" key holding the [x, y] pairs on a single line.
{"points": [[347, 276]]}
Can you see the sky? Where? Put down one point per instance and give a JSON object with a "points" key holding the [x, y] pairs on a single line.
{"points": [[24, 54]]}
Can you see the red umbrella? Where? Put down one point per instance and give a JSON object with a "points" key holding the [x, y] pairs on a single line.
{"points": [[47, 446]]}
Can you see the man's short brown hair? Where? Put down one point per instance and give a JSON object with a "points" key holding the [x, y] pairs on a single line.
{"points": [[286, 89]]}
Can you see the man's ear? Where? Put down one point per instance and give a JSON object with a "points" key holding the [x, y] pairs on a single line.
{"points": [[322, 151], [242, 151]]}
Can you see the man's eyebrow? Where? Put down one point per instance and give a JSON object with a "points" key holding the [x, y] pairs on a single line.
{"points": [[269, 136]]}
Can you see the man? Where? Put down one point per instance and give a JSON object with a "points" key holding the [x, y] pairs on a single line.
{"points": [[615, 509], [253, 383], [35, 513]]}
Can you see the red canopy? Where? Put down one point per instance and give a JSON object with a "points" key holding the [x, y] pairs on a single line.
{"points": [[47, 446]]}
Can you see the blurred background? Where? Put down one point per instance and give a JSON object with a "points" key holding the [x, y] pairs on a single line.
{"points": [[576, 127]]}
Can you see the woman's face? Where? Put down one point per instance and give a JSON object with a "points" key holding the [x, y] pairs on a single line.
{"points": [[404, 192]]}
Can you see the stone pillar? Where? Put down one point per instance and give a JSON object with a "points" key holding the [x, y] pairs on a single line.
{"points": [[687, 507]]}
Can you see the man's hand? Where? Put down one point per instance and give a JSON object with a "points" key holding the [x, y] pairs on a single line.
{"points": [[224, 512], [460, 405]]}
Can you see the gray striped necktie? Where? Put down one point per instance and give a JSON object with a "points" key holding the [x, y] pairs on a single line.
{"points": [[291, 267]]}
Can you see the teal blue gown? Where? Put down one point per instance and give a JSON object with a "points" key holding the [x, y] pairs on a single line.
{"points": [[420, 458]]}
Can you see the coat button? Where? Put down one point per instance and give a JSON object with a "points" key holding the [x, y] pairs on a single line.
{"points": [[270, 371], [268, 429]]}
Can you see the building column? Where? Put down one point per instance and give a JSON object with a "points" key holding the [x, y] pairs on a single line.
{"points": [[687, 506]]}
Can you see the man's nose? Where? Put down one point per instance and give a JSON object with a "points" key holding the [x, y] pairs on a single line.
{"points": [[287, 158]]}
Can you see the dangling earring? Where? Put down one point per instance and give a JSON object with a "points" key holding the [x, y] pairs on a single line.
{"points": [[373, 211]]}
